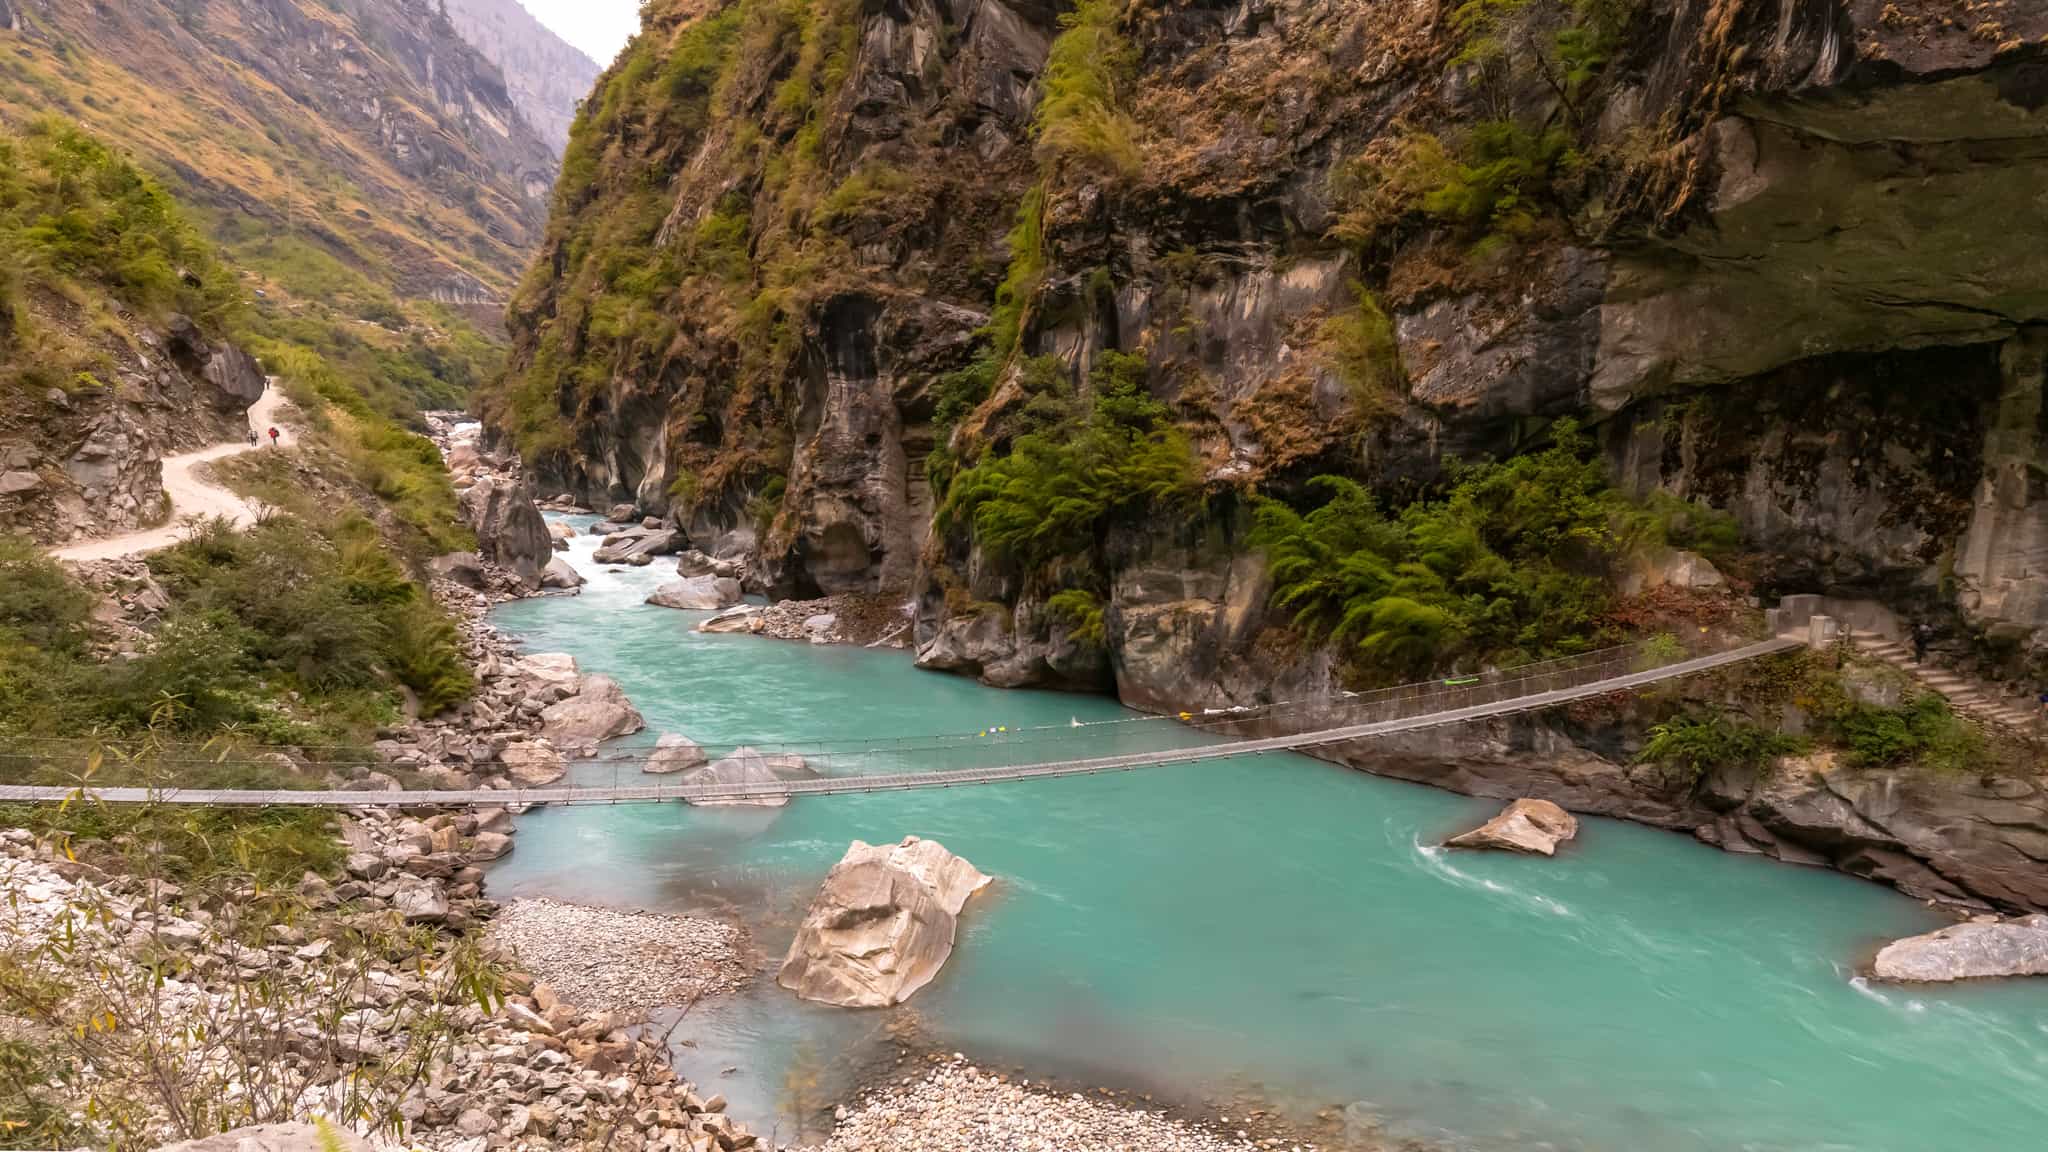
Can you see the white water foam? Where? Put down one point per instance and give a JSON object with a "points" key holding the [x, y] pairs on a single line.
{"points": [[1434, 859]]}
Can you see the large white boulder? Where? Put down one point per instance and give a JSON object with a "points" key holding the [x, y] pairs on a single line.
{"points": [[748, 766], [1984, 947], [1533, 826], [552, 669], [697, 593], [882, 924], [598, 711]]}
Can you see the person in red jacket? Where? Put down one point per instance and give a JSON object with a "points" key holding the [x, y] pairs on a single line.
{"points": [[273, 436]]}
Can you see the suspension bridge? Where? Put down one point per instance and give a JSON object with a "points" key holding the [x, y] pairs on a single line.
{"points": [[1323, 722]]}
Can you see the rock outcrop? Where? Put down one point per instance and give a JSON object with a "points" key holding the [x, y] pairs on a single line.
{"points": [[1980, 949], [882, 924], [638, 544], [545, 76], [509, 529], [560, 575], [1533, 826]]}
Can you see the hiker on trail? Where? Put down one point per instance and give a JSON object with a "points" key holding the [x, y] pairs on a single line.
{"points": [[252, 437], [1922, 633], [273, 436]]}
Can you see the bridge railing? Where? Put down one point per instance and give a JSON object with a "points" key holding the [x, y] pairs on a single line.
{"points": [[988, 747]]}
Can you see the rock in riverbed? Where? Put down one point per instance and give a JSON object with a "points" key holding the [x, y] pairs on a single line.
{"points": [[697, 593], [1984, 947], [1533, 826], [674, 753], [749, 766], [620, 960], [882, 924], [560, 574], [598, 711]]}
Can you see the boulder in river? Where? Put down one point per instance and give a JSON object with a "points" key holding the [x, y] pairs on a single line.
{"points": [[698, 593], [1534, 826], [740, 618], [696, 563], [674, 753], [598, 711], [560, 574], [882, 924], [509, 528], [630, 545], [749, 766], [1984, 947], [556, 670]]}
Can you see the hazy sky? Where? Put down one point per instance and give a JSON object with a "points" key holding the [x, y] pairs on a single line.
{"points": [[599, 27]]}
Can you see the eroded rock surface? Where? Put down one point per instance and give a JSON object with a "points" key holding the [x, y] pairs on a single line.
{"points": [[1533, 826], [882, 924]]}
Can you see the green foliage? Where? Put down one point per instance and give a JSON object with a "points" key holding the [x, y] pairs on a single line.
{"points": [[1080, 119], [1027, 270], [1360, 344], [1480, 27], [1496, 187], [1081, 611], [1922, 731], [1506, 566], [72, 209], [282, 628], [402, 468], [32, 1113], [1694, 746], [1074, 468], [862, 194]]}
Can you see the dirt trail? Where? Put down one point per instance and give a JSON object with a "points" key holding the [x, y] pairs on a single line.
{"points": [[190, 495]]}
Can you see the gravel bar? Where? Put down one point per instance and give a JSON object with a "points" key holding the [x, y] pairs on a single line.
{"points": [[620, 960], [959, 1108]]}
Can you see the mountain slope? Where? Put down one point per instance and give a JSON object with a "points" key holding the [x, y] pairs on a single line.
{"points": [[547, 76], [368, 129]]}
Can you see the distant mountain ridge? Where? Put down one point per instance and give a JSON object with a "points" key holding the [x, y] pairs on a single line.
{"points": [[547, 76]]}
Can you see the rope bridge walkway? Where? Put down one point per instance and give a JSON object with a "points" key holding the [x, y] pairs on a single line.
{"points": [[1353, 717]]}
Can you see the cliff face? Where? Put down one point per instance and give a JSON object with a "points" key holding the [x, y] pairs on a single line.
{"points": [[1782, 254], [545, 76], [368, 125]]}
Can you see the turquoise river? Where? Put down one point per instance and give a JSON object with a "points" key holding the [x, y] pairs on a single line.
{"points": [[1278, 925]]}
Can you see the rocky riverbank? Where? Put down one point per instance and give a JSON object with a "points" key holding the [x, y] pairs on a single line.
{"points": [[367, 1001], [621, 960]]}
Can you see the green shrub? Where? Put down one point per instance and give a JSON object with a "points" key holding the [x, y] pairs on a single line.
{"points": [[1508, 565], [1501, 181], [1923, 731], [1695, 746], [1081, 611], [1066, 476], [1360, 344]]}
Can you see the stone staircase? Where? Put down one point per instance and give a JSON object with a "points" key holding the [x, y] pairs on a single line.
{"points": [[1966, 696]]}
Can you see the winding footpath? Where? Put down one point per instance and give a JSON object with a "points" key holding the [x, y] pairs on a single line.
{"points": [[189, 494]]}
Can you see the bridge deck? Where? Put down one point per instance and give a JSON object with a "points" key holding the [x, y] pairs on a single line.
{"points": [[904, 781]]}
